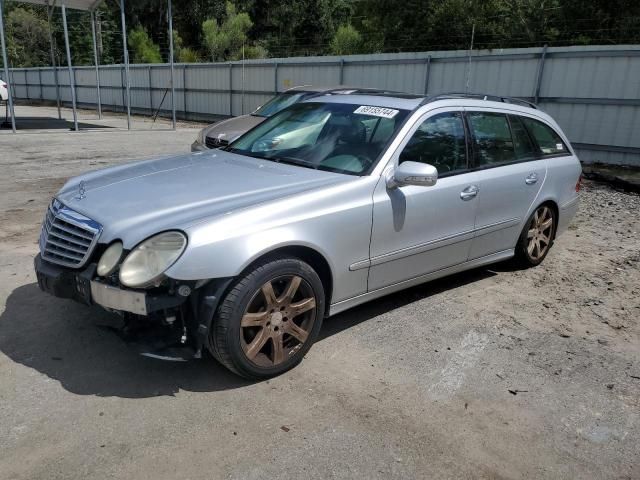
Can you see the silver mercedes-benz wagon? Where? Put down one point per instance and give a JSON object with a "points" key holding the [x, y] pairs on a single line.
{"points": [[330, 203]]}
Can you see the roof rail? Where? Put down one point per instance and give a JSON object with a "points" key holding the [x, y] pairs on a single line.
{"points": [[362, 91], [479, 96]]}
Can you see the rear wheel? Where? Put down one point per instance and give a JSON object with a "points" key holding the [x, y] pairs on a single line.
{"points": [[269, 319], [537, 236]]}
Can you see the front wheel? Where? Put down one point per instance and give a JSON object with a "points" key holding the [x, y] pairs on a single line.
{"points": [[537, 236], [269, 319]]}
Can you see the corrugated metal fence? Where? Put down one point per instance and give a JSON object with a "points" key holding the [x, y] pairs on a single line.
{"points": [[593, 92]]}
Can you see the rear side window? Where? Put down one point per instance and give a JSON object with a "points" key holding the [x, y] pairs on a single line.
{"points": [[548, 140], [521, 140], [493, 144], [439, 141]]}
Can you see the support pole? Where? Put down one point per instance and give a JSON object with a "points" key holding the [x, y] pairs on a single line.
{"points": [[230, 89], [6, 70], [427, 72], [173, 90], [536, 93], [96, 62], [151, 92], [53, 59], [126, 64], [275, 78], [72, 83], [184, 90]]}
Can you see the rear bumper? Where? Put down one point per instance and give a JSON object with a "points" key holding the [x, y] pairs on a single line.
{"points": [[81, 287], [567, 212]]}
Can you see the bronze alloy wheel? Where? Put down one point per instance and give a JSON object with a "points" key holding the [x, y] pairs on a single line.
{"points": [[277, 320], [540, 233]]}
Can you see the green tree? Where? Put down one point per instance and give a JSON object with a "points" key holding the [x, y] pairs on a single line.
{"points": [[255, 51], [303, 27], [346, 41], [180, 52], [144, 50], [28, 39], [225, 40]]}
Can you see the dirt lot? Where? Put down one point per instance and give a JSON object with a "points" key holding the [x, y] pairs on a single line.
{"points": [[495, 373]]}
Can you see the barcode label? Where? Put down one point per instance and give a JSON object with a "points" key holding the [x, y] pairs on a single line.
{"points": [[376, 111]]}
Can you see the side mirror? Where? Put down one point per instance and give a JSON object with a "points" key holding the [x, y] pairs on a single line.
{"points": [[412, 173]]}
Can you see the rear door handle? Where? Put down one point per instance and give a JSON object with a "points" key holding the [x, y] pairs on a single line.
{"points": [[470, 192], [531, 178]]}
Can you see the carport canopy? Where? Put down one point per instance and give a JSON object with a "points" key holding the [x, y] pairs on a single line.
{"points": [[90, 6], [87, 5]]}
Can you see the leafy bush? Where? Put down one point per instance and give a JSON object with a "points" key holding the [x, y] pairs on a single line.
{"points": [[346, 41], [144, 50]]}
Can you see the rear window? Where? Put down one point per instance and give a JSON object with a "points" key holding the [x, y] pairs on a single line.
{"points": [[493, 144], [547, 139]]}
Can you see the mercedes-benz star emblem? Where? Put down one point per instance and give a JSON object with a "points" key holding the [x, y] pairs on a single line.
{"points": [[81, 191]]}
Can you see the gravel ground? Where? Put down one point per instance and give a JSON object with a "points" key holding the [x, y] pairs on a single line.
{"points": [[495, 373]]}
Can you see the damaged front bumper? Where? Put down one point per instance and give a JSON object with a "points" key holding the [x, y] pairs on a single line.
{"points": [[82, 287], [188, 316]]}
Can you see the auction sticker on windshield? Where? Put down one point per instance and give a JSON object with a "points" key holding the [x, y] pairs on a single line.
{"points": [[376, 111]]}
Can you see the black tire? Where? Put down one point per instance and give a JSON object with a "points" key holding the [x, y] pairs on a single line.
{"points": [[526, 256], [230, 342]]}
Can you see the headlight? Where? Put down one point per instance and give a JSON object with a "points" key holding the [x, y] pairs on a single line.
{"points": [[201, 134], [147, 262], [110, 259]]}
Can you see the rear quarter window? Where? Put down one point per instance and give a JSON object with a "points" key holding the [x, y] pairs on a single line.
{"points": [[546, 137]]}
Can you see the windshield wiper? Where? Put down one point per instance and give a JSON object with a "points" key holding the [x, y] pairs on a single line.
{"points": [[287, 160], [295, 161]]}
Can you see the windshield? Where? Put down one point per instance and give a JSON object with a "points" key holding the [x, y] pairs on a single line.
{"points": [[279, 102], [337, 137]]}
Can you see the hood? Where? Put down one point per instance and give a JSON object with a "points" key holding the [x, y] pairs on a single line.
{"points": [[228, 130], [136, 200]]}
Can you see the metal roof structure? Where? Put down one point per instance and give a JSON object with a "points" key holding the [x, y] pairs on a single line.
{"points": [[88, 6]]}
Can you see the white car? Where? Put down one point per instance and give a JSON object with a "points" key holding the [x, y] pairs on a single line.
{"points": [[4, 92]]}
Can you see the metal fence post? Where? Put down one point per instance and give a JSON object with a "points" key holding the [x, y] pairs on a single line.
{"points": [[26, 82], [96, 63], [427, 72], [6, 71], [275, 78], [230, 89], [72, 83], [53, 61], [536, 93], [150, 91], [126, 64], [341, 71], [40, 81], [173, 90], [122, 87], [184, 90]]}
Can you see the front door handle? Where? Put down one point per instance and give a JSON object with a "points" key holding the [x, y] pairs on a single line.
{"points": [[470, 192], [531, 178]]}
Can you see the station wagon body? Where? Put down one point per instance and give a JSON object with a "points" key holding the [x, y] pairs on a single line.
{"points": [[261, 243]]}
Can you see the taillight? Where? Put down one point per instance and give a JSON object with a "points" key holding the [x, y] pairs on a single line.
{"points": [[579, 183]]}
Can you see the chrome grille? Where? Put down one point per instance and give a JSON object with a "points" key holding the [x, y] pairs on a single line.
{"points": [[67, 237]]}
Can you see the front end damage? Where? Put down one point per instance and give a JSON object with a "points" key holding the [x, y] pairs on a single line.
{"points": [[170, 321]]}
